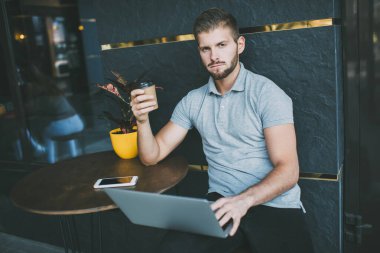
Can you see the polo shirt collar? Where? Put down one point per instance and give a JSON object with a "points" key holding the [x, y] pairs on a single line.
{"points": [[238, 85]]}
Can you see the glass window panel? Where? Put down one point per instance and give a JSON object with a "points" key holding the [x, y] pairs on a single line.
{"points": [[57, 71], [10, 143]]}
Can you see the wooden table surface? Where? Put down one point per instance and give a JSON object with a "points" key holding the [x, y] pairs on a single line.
{"points": [[66, 188]]}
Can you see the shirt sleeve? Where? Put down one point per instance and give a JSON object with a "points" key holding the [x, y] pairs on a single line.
{"points": [[181, 114], [276, 107]]}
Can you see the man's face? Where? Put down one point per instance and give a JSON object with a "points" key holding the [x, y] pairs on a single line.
{"points": [[219, 52]]}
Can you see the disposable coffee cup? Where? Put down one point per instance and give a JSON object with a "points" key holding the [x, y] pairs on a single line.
{"points": [[149, 89]]}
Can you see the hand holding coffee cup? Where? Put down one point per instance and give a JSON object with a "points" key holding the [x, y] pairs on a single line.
{"points": [[143, 100], [149, 89]]}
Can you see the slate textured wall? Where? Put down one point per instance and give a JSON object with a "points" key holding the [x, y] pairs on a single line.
{"points": [[135, 20], [305, 63]]}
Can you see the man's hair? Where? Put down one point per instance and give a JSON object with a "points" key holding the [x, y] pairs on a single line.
{"points": [[214, 18]]}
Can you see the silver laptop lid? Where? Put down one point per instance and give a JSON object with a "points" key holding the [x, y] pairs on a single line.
{"points": [[168, 212]]}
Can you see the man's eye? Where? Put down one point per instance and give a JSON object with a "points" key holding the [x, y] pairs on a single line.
{"points": [[222, 45], [204, 50]]}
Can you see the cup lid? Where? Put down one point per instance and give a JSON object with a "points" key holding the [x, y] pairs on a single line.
{"points": [[144, 84]]}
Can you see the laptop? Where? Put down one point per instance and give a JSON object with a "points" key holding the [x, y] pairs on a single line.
{"points": [[168, 212]]}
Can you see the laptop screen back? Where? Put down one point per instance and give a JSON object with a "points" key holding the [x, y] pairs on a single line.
{"points": [[168, 212]]}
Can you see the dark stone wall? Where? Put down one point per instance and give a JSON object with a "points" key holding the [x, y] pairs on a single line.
{"points": [[305, 63], [175, 67], [120, 21], [323, 203]]}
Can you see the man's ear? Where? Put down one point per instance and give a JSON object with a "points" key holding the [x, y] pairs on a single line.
{"points": [[241, 44]]}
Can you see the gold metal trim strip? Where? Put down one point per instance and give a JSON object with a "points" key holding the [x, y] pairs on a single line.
{"points": [[92, 56], [248, 30], [88, 20], [323, 177], [303, 175], [288, 26], [162, 40], [319, 176]]}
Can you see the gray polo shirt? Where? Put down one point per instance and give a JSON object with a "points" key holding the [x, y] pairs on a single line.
{"points": [[232, 131]]}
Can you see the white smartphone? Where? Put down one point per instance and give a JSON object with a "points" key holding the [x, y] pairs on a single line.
{"points": [[116, 182]]}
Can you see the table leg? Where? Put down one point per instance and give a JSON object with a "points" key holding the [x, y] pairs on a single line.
{"points": [[69, 234], [63, 234], [92, 233], [100, 232], [75, 237], [96, 223]]}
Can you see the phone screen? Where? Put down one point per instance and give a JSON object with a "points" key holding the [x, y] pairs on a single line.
{"points": [[120, 180]]}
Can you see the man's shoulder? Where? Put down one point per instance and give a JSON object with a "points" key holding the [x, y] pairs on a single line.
{"points": [[194, 97], [258, 83], [198, 91], [258, 79]]}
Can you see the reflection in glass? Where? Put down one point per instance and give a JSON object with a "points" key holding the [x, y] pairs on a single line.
{"points": [[10, 144], [61, 109], [51, 115]]}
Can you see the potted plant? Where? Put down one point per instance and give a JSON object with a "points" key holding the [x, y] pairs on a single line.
{"points": [[123, 138]]}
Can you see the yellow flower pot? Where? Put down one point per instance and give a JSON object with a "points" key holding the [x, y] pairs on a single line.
{"points": [[124, 145]]}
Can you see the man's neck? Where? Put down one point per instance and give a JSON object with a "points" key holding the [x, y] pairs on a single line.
{"points": [[224, 85]]}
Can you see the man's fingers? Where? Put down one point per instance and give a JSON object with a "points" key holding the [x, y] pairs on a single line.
{"points": [[227, 209], [142, 98], [235, 226], [225, 219], [141, 106], [137, 92], [218, 204], [221, 212], [145, 110]]}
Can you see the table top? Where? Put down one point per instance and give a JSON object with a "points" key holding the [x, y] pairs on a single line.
{"points": [[66, 188]]}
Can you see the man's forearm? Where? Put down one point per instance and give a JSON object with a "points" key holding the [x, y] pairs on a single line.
{"points": [[279, 180], [148, 147]]}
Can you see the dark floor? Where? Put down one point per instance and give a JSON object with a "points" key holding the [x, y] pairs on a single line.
{"points": [[13, 244]]}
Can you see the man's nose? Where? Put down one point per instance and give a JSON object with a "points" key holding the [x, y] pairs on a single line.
{"points": [[214, 55]]}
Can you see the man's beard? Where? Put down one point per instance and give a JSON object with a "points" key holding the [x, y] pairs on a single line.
{"points": [[226, 72]]}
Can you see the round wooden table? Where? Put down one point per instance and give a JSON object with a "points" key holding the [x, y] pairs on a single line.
{"points": [[66, 188]]}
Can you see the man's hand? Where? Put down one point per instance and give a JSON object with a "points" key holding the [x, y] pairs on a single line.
{"points": [[230, 208], [141, 105]]}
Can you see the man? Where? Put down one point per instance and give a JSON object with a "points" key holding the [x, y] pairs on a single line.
{"points": [[246, 125]]}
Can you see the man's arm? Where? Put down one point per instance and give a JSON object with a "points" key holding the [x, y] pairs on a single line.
{"points": [[281, 145], [153, 149]]}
